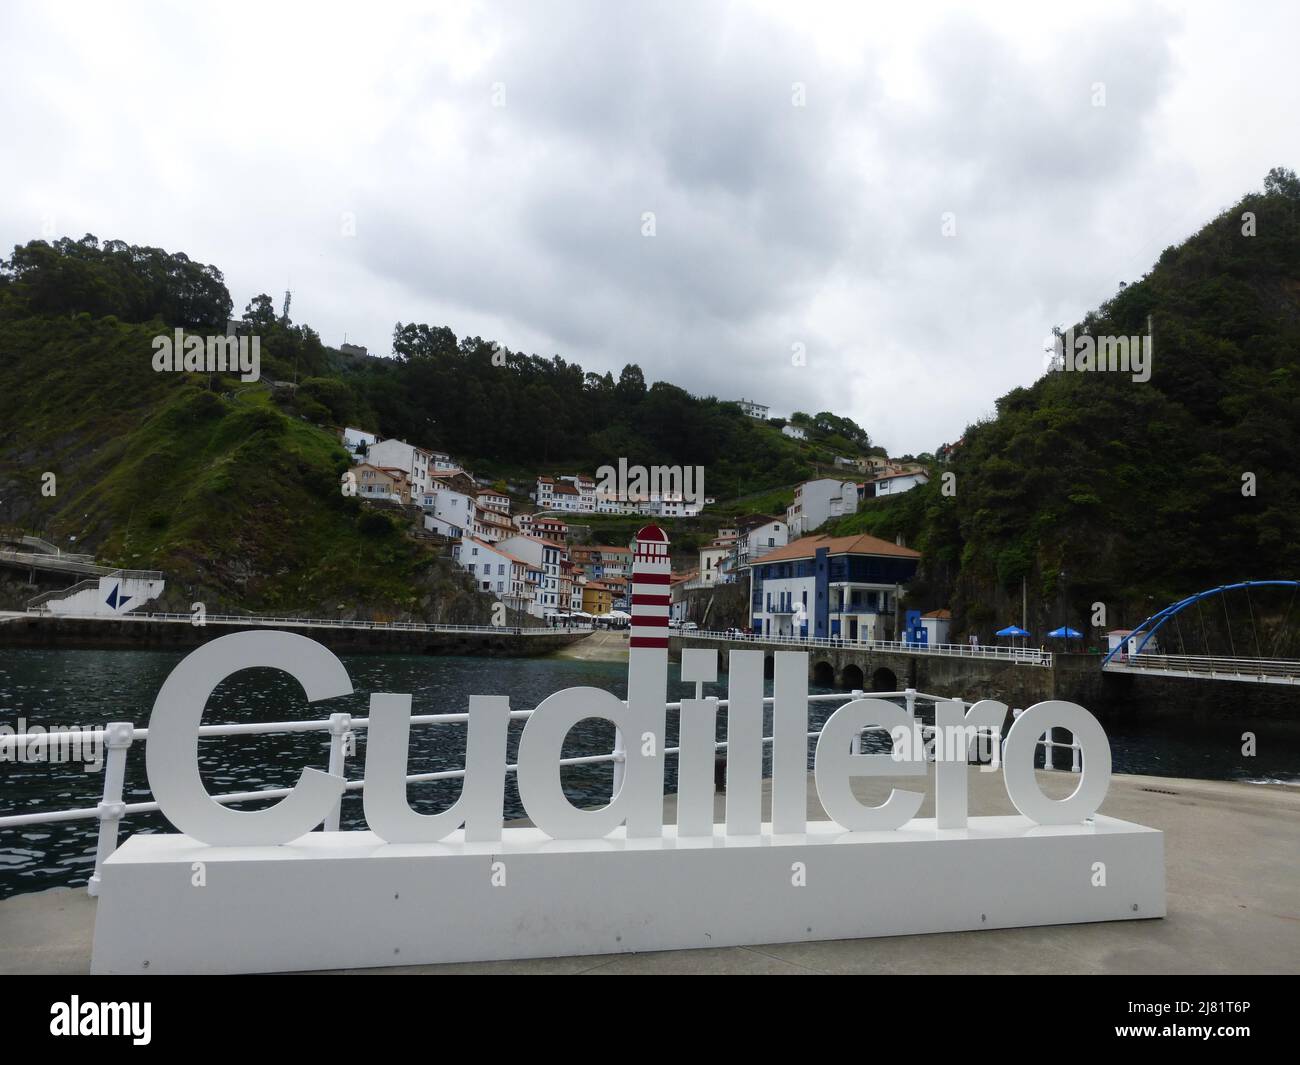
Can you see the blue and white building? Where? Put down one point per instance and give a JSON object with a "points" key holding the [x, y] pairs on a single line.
{"points": [[823, 586]]}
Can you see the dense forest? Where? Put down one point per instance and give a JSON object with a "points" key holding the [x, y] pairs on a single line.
{"points": [[1093, 487]]}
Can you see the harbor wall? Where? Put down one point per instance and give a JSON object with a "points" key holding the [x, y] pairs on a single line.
{"points": [[1077, 678], [115, 634]]}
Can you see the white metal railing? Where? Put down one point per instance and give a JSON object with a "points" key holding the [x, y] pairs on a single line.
{"points": [[118, 737], [1025, 656], [62, 593], [66, 564], [328, 623], [54, 549], [1210, 665]]}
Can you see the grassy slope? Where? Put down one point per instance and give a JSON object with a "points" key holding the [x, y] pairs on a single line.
{"points": [[237, 502]]}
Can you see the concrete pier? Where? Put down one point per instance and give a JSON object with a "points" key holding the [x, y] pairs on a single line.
{"points": [[1232, 866]]}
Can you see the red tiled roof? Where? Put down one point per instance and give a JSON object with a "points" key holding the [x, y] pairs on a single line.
{"points": [[807, 547]]}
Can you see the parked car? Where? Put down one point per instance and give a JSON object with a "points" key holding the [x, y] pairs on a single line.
{"points": [[689, 626]]}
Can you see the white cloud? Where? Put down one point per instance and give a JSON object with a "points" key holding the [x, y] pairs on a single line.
{"points": [[242, 134]]}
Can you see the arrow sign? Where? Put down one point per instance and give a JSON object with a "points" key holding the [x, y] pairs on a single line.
{"points": [[116, 600]]}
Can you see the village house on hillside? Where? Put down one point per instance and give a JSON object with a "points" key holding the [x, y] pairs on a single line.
{"points": [[818, 501], [383, 483], [821, 586], [893, 484]]}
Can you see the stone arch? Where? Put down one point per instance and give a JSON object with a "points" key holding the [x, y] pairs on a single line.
{"points": [[851, 678], [883, 680], [823, 675]]}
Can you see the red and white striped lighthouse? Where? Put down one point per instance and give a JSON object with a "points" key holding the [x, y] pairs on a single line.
{"points": [[647, 681], [651, 578]]}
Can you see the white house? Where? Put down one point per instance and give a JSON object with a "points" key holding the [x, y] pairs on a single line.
{"points": [[446, 509], [414, 461], [711, 563], [491, 499], [670, 505], [818, 501], [756, 541], [937, 625], [1125, 636], [754, 410], [357, 441], [795, 432], [497, 572], [894, 484], [544, 556]]}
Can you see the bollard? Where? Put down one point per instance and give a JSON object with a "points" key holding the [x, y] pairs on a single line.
{"points": [[340, 730], [118, 737]]}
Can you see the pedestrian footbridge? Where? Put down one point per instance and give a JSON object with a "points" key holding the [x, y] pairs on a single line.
{"points": [[1215, 632]]}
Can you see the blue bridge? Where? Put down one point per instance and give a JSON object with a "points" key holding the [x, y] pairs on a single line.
{"points": [[1220, 654]]}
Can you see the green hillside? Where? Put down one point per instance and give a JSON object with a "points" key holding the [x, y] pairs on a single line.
{"points": [[1093, 487], [237, 501], [232, 488]]}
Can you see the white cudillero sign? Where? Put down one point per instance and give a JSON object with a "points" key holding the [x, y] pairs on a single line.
{"points": [[260, 890]]}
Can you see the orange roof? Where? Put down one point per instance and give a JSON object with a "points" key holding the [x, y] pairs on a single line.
{"points": [[807, 547], [941, 614]]}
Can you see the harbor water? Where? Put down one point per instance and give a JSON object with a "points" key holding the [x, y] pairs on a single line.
{"points": [[62, 688]]}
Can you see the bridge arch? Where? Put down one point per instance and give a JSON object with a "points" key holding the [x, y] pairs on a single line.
{"points": [[884, 680], [851, 678], [823, 675], [1151, 625]]}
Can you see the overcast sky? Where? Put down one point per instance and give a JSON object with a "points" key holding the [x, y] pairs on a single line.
{"points": [[490, 168]]}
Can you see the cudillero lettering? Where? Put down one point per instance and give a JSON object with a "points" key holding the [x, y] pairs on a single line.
{"points": [[173, 767]]}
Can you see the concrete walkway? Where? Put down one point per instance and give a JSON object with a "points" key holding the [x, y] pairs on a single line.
{"points": [[1232, 866], [603, 645]]}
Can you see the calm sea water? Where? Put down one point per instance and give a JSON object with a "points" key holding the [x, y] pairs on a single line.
{"points": [[63, 688]]}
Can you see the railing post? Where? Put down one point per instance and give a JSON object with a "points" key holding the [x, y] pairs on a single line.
{"points": [[1077, 765], [118, 737], [909, 694], [340, 732], [1047, 752], [857, 736], [620, 761]]}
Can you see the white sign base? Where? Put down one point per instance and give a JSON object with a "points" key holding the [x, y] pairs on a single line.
{"points": [[333, 900]]}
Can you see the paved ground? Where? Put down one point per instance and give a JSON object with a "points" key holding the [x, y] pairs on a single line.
{"points": [[1232, 864], [601, 646]]}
